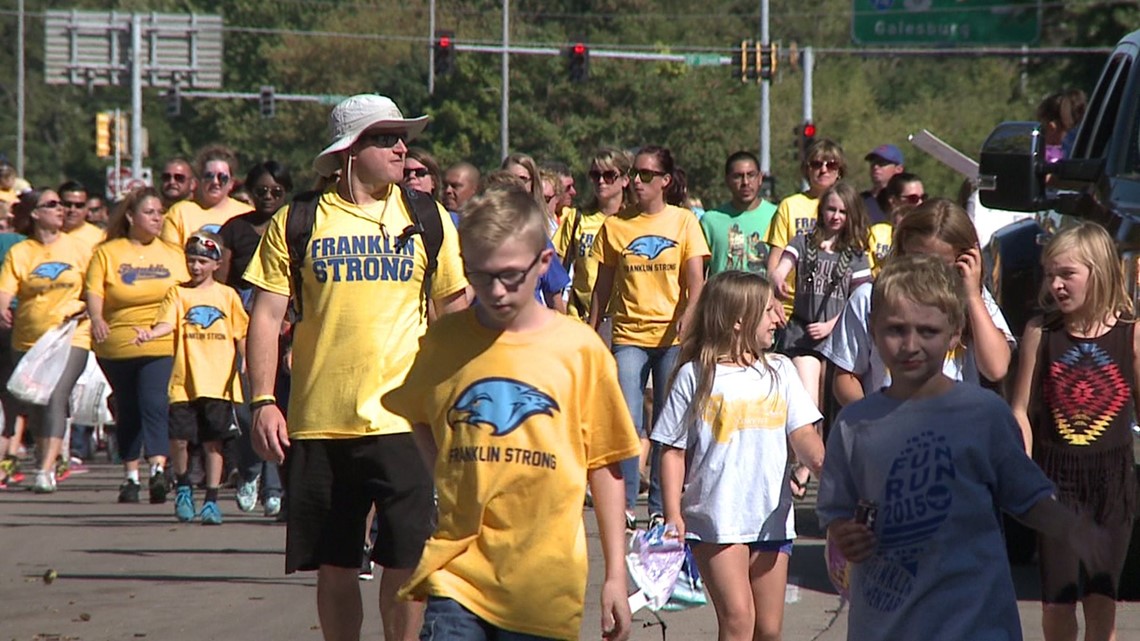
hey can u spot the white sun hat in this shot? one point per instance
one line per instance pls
(352, 117)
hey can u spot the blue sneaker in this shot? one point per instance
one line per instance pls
(184, 503)
(211, 513)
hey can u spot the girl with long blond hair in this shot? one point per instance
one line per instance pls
(1075, 399)
(725, 428)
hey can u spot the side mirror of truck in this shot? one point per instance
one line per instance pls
(1011, 174)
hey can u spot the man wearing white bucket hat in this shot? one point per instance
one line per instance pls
(361, 275)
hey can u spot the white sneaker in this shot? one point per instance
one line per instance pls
(246, 496)
(44, 483)
(273, 506)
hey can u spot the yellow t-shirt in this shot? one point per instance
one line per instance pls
(795, 215)
(89, 235)
(519, 419)
(186, 217)
(132, 279)
(364, 311)
(47, 281)
(648, 253)
(879, 245)
(583, 263)
(207, 321)
(13, 194)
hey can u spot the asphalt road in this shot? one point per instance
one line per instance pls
(132, 572)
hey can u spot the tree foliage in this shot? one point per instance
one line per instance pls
(340, 47)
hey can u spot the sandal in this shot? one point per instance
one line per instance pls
(799, 487)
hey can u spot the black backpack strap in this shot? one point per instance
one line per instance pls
(426, 222)
(572, 248)
(299, 222)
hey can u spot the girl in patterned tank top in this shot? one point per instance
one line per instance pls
(1075, 400)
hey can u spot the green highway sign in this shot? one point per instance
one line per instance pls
(702, 59)
(946, 22)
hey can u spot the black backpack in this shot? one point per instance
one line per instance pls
(302, 215)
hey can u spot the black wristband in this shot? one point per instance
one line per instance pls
(261, 403)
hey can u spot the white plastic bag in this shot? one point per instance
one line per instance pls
(90, 394)
(38, 372)
(654, 560)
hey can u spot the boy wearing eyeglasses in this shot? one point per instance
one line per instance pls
(209, 324)
(211, 207)
(516, 408)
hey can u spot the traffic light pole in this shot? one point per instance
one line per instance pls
(807, 62)
(765, 101)
(505, 108)
(136, 99)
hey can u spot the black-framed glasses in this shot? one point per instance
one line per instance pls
(829, 165)
(383, 140)
(510, 278)
(264, 191)
(416, 173)
(178, 178)
(608, 176)
(646, 175)
(72, 204)
(223, 178)
(49, 204)
(914, 199)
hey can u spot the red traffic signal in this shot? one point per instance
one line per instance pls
(809, 130)
(579, 62)
(579, 49)
(445, 42)
(444, 49)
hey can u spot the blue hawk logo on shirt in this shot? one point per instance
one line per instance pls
(501, 403)
(50, 271)
(649, 246)
(212, 228)
(203, 315)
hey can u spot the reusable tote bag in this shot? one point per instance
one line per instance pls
(38, 372)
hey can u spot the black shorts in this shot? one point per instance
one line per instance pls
(332, 483)
(203, 420)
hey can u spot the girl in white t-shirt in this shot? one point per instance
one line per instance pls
(725, 427)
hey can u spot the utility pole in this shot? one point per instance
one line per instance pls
(807, 60)
(765, 100)
(505, 112)
(21, 81)
(431, 48)
(136, 96)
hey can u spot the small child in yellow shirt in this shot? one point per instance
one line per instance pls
(209, 324)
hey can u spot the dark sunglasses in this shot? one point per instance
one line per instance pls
(384, 140)
(829, 165)
(646, 175)
(609, 176)
(511, 278)
(264, 191)
(914, 199)
(415, 173)
(69, 204)
(209, 176)
(50, 204)
(178, 178)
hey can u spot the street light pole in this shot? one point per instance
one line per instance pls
(504, 114)
(765, 99)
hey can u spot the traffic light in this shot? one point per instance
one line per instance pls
(103, 134)
(123, 133)
(268, 102)
(766, 60)
(579, 62)
(805, 136)
(173, 102)
(444, 52)
(744, 61)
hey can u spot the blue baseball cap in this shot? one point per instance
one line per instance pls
(889, 153)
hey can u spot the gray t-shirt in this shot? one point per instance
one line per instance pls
(939, 470)
(812, 285)
(850, 347)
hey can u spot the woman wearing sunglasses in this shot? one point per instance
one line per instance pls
(44, 274)
(271, 186)
(651, 270)
(127, 279)
(902, 194)
(421, 172)
(211, 205)
(609, 176)
(824, 165)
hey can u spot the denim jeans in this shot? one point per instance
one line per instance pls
(142, 421)
(635, 364)
(249, 464)
(448, 620)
